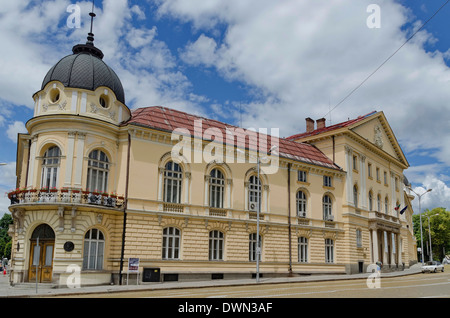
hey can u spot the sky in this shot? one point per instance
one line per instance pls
(253, 63)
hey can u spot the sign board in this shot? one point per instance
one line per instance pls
(133, 265)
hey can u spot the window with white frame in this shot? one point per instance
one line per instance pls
(216, 245)
(254, 193)
(252, 248)
(216, 189)
(98, 170)
(171, 243)
(358, 238)
(173, 177)
(301, 204)
(94, 245)
(327, 181)
(327, 207)
(301, 175)
(50, 167)
(329, 251)
(303, 249)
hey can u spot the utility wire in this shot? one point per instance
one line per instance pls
(382, 64)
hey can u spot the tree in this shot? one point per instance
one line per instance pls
(5, 239)
(438, 220)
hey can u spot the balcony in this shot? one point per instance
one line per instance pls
(65, 196)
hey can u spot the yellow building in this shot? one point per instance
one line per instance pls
(99, 185)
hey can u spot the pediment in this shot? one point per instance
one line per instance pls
(377, 131)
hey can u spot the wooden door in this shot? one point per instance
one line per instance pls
(41, 261)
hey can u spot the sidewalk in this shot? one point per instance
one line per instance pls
(43, 290)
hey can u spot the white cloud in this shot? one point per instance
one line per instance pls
(438, 197)
(14, 129)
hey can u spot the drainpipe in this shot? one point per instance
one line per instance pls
(125, 210)
(289, 218)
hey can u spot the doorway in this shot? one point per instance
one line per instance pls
(41, 254)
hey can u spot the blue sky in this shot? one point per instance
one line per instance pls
(254, 63)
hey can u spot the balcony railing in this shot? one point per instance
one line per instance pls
(65, 196)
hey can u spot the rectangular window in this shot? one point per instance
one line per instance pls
(327, 181)
(329, 251)
(301, 176)
(358, 238)
(378, 174)
(302, 249)
(355, 162)
(369, 170)
(385, 178)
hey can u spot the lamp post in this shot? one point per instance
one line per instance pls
(420, 217)
(258, 210)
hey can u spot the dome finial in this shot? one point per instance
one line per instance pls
(90, 38)
(89, 47)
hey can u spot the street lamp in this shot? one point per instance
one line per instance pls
(258, 247)
(258, 210)
(420, 217)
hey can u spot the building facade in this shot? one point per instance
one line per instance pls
(99, 185)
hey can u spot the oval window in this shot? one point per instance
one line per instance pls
(54, 95)
(103, 100)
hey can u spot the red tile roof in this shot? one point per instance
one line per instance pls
(330, 128)
(166, 119)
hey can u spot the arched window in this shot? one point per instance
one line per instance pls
(98, 169)
(254, 193)
(94, 245)
(379, 203)
(303, 249)
(370, 201)
(355, 196)
(327, 205)
(50, 166)
(216, 189)
(171, 243)
(173, 176)
(216, 245)
(386, 205)
(301, 204)
(252, 248)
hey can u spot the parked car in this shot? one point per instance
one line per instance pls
(432, 266)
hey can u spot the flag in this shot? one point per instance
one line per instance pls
(397, 207)
(403, 210)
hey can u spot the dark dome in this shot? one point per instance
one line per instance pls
(85, 69)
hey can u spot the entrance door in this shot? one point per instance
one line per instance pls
(41, 262)
(41, 256)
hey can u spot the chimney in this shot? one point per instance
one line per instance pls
(320, 123)
(309, 124)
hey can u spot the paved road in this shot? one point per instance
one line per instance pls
(432, 285)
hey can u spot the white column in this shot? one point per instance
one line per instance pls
(187, 177)
(160, 183)
(393, 248)
(362, 173)
(375, 256)
(31, 173)
(205, 193)
(393, 200)
(69, 159)
(229, 181)
(79, 159)
(349, 178)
